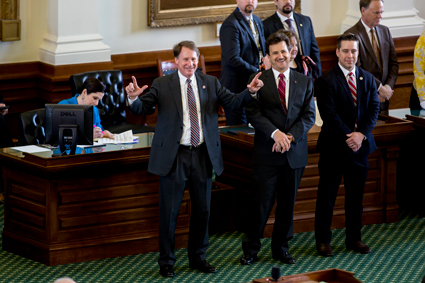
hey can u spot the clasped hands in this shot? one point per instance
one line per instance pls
(282, 142)
(385, 93)
(354, 141)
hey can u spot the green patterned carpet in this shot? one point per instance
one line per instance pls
(398, 255)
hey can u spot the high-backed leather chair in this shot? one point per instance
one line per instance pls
(112, 106)
(31, 127)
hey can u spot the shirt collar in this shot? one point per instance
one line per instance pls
(366, 27)
(276, 73)
(346, 72)
(183, 79)
(283, 18)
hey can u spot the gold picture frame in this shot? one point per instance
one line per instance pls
(171, 13)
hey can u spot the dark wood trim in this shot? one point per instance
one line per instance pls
(26, 86)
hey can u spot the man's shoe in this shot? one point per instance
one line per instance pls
(324, 249)
(203, 266)
(357, 246)
(247, 259)
(166, 270)
(285, 258)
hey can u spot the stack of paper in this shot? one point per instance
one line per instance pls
(125, 137)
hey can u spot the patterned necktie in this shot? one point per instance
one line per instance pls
(289, 23)
(282, 89)
(353, 91)
(193, 115)
(376, 49)
(256, 37)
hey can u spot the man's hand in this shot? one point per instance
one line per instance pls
(108, 134)
(354, 140)
(282, 142)
(385, 92)
(256, 84)
(266, 62)
(4, 112)
(133, 90)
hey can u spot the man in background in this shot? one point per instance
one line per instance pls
(377, 53)
(286, 18)
(242, 49)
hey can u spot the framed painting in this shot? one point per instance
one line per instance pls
(171, 13)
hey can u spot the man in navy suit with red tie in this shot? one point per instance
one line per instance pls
(348, 103)
(282, 116)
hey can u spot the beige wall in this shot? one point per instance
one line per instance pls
(123, 25)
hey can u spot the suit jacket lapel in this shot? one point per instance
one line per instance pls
(175, 90)
(260, 31)
(277, 22)
(292, 90)
(359, 86)
(364, 37)
(244, 23)
(343, 81)
(299, 26)
(382, 45)
(270, 82)
(203, 94)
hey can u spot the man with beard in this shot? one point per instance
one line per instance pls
(282, 116)
(376, 50)
(242, 48)
(285, 18)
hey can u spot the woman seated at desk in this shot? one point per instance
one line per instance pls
(93, 91)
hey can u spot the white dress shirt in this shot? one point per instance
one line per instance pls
(286, 79)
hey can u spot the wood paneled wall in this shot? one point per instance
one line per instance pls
(29, 85)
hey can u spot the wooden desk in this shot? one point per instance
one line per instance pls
(83, 207)
(379, 202)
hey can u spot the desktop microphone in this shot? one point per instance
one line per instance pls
(275, 273)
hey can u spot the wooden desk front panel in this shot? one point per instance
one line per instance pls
(379, 200)
(84, 213)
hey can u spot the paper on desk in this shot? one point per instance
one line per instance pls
(30, 148)
(125, 137)
(95, 144)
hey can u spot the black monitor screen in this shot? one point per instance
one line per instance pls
(68, 117)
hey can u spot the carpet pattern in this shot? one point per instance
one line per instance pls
(398, 255)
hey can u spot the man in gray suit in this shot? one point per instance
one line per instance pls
(376, 50)
(282, 116)
(186, 147)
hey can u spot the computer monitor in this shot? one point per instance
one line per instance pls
(68, 125)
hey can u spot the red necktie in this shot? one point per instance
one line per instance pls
(353, 91)
(282, 88)
(193, 115)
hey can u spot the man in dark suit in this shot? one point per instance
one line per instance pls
(242, 48)
(282, 116)
(349, 107)
(185, 148)
(285, 18)
(377, 51)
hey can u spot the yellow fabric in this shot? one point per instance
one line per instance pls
(419, 67)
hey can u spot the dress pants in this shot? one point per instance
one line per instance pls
(191, 168)
(270, 183)
(332, 167)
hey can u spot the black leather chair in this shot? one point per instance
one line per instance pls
(112, 107)
(31, 127)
